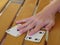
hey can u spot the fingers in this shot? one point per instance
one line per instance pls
(39, 26)
(20, 21)
(24, 25)
(36, 29)
(30, 26)
(49, 26)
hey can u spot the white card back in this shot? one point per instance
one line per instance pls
(13, 31)
(36, 37)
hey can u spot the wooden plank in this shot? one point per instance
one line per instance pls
(7, 18)
(54, 36)
(26, 11)
(3, 4)
(42, 4)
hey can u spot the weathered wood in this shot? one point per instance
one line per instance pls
(42, 4)
(3, 4)
(25, 12)
(54, 36)
(7, 17)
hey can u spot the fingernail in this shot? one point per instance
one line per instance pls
(30, 34)
(21, 31)
(47, 29)
(16, 22)
(18, 28)
(19, 25)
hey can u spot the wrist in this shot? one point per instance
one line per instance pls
(53, 7)
(58, 4)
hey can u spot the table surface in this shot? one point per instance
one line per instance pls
(16, 11)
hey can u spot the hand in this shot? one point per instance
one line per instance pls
(35, 23)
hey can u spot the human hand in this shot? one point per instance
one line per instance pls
(36, 22)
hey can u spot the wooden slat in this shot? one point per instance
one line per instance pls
(54, 37)
(7, 17)
(42, 4)
(25, 12)
(3, 4)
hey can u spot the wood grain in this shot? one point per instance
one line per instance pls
(54, 36)
(3, 4)
(25, 12)
(7, 17)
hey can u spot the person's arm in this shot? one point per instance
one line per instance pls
(45, 18)
(53, 7)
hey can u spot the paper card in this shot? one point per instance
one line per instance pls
(36, 37)
(14, 31)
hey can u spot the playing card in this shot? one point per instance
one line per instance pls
(36, 37)
(14, 31)
(47, 35)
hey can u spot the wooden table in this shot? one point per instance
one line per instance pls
(3, 4)
(16, 12)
